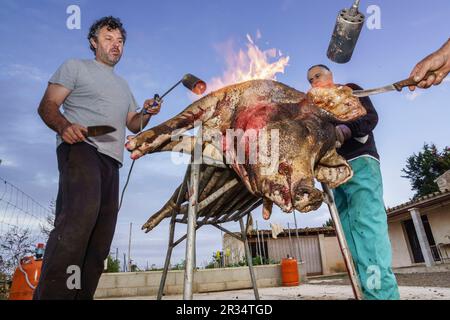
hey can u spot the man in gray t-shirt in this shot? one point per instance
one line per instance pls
(90, 93)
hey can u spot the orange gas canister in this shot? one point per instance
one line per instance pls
(25, 279)
(289, 272)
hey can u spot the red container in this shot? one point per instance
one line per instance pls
(25, 279)
(289, 272)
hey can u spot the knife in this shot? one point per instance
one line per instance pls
(396, 86)
(95, 131)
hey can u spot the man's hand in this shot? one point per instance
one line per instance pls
(152, 106)
(73, 133)
(343, 133)
(134, 118)
(439, 62)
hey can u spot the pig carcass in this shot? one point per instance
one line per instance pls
(304, 127)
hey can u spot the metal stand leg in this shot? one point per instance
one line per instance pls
(191, 226)
(343, 243)
(172, 245)
(249, 259)
(168, 255)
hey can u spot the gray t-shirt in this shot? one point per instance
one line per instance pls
(98, 97)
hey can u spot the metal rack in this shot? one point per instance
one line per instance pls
(211, 210)
(212, 195)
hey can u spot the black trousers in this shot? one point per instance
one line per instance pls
(86, 215)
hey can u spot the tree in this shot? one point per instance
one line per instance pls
(14, 245)
(423, 168)
(113, 265)
(328, 223)
(49, 223)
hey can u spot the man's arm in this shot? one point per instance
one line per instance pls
(49, 112)
(134, 118)
(439, 62)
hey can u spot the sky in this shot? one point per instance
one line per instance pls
(167, 39)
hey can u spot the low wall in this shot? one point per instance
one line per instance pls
(130, 284)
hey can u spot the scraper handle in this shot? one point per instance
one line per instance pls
(410, 81)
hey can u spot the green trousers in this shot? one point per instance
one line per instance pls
(363, 217)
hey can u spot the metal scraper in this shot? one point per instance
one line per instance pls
(95, 131)
(396, 86)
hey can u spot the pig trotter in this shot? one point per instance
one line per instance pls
(307, 198)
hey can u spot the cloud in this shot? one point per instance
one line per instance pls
(22, 71)
(411, 96)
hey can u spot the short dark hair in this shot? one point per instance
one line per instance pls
(111, 22)
(319, 65)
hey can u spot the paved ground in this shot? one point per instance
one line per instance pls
(435, 279)
(413, 286)
(309, 292)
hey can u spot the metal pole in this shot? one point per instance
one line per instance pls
(268, 239)
(343, 243)
(129, 248)
(180, 199)
(263, 247)
(168, 255)
(299, 258)
(117, 254)
(249, 258)
(192, 219)
(124, 262)
(290, 241)
(258, 246)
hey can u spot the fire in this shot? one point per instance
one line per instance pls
(253, 63)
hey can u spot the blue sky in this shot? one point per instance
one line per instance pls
(168, 39)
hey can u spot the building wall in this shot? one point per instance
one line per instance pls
(307, 247)
(319, 254)
(439, 219)
(400, 253)
(334, 262)
(236, 248)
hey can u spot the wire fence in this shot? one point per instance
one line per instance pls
(19, 211)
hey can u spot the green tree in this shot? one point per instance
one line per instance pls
(423, 168)
(113, 265)
(328, 223)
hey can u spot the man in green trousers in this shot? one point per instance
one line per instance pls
(360, 200)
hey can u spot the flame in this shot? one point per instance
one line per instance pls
(253, 63)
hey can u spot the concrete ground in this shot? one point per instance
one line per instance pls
(417, 286)
(415, 283)
(422, 279)
(307, 292)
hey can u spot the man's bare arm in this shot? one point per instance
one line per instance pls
(49, 112)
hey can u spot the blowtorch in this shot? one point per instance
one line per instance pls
(190, 81)
(346, 32)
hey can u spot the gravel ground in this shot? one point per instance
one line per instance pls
(435, 279)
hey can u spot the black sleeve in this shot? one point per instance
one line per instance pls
(364, 125)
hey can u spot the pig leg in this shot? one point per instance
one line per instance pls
(154, 139)
(333, 169)
(166, 211)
